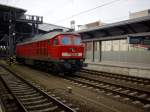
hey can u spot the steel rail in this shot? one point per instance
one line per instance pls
(118, 76)
(42, 92)
(135, 98)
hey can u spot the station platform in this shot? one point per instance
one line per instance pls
(123, 68)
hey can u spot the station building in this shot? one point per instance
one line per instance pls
(122, 47)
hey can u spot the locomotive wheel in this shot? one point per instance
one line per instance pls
(55, 70)
(70, 73)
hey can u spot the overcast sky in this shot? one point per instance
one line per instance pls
(60, 11)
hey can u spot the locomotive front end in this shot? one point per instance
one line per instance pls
(71, 54)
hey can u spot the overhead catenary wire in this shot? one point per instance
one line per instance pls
(80, 13)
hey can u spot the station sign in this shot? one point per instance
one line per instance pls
(142, 40)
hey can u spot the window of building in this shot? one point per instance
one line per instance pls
(108, 46)
(89, 46)
(123, 45)
(96, 46)
(103, 45)
(115, 45)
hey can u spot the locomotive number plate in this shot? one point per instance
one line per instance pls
(71, 54)
(76, 54)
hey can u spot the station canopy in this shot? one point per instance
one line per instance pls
(137, 26)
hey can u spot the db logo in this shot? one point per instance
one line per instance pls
(72, 49)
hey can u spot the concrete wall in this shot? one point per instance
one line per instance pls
(139, 14)
(116, 51)
(127, 56)
(126, 70)
(89, 56)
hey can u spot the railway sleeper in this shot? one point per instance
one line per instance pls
(35, 102)
(49, 109)
(32, 98)
(39, 106)
(27, 93)
(28, 96)
(21, 89)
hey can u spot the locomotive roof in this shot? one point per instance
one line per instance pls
(49, 27)
(45, 37)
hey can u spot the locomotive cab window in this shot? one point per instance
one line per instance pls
(48, 42)
(55, 41)
(66, 40)
(70, 40)
(77, 41)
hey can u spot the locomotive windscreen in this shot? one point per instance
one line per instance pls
(70, 40)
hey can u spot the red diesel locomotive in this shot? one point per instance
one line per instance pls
(56, 51)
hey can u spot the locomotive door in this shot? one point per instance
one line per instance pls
(49, 47)
(54, 49)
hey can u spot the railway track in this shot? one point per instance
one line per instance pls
(129, 81)
(7, 102)
(119, 77)
(133, 94)
(30, 98)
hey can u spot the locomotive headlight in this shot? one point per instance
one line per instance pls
(79, 54)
